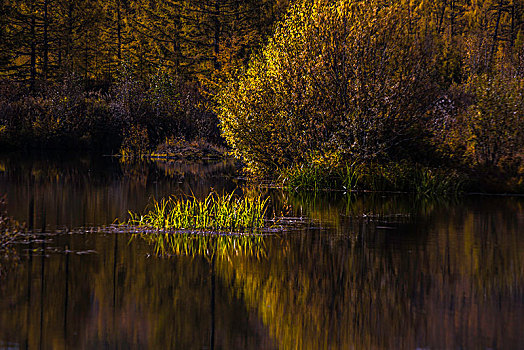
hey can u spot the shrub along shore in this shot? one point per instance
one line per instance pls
(377, 95)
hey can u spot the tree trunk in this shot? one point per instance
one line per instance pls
(119, 30)
(440, 24)
(69, 46)
(46, 41)
(495, 34)
(216, 41)
(33, 49)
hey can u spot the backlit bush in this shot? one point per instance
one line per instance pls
(338, 76)
(495, 120)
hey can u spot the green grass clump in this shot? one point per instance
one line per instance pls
(309, 177)
(376, 177)
(227, 212)
(322, 176)
(432, 183)
(411, 178)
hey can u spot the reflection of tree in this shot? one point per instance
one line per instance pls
(86, 191)
(38, 289)
(459, 284)
(121, 297)
(438, 277)
(173, 302)
(337, 209)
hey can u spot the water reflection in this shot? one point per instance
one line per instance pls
(453, 278)
(72, 190)
(365, 272)
(120, 298)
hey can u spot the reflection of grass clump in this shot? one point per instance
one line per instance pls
(216, 212)
(205, 244)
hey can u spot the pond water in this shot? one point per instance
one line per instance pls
(361, 272)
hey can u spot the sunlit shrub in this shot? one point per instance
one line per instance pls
(495, 120)
(342, 76)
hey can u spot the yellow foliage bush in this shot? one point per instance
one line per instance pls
(337, 76)
(495, 121)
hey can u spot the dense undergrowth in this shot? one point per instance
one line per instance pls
(130, 116)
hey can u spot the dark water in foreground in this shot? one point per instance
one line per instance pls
(391, 272)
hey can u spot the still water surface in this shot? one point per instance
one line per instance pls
(366, 272)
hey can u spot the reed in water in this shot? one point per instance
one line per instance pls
(226, 212)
